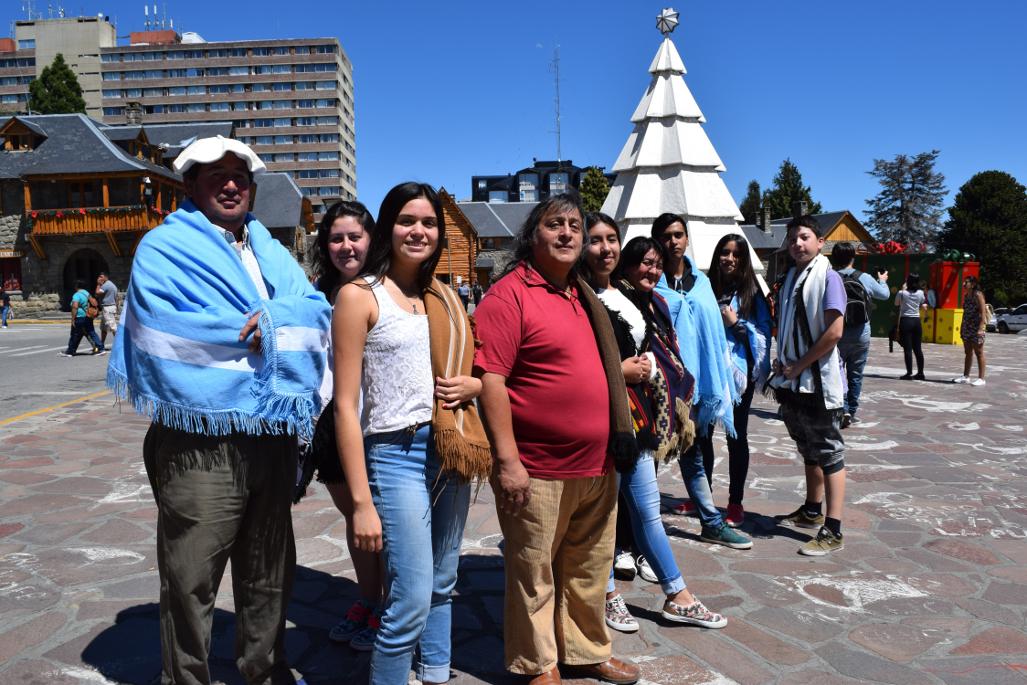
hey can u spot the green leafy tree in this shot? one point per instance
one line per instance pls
(787, 189)
(57, 90)
(989, 219)
(908, 207)
(594, 189)
(750, 207)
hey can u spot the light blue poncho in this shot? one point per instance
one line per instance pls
(704, 350)
(177, 355)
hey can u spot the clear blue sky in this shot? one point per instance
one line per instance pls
(449, 89)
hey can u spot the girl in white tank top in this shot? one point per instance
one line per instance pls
(402, 504)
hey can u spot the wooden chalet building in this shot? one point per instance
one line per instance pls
(768, 237)
(74, 202)
(76, 196)
(461, 249)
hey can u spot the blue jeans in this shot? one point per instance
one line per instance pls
(423, 514)
(643, 497)
(698, 487)
(83, 326)
(854, 356)
(4, 313)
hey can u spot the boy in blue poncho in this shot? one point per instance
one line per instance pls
(705, 352)
(222, 345)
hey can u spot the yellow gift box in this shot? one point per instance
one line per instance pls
(942, 326)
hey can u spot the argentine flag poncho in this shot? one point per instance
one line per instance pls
(177, 355)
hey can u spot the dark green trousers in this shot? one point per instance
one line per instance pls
(221, 498)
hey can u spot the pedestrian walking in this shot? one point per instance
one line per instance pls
(84, 308)
(5, 305)
(972, 330)
(747, 325)
(854, 347)
(107, 295)
(403, 350)
(659, 393)
(911, 300)
(807, 382)
(556, 406)
(223, 348)
(464, 291)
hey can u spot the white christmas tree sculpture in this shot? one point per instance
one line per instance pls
(669, 164)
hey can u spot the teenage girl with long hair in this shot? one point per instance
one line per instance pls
(747, 323)
(659, 388)
(403, 352)
(972, 330)
(340, 250)
(911, 300)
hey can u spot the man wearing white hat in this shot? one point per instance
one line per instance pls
(222, 346)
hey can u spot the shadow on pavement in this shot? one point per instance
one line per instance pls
(129, 650)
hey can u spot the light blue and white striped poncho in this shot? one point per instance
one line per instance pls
(177, 355)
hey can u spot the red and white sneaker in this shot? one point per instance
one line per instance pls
(686, 508)
(735, 515)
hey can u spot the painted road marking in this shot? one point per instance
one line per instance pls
(28, 352)
(37, 412)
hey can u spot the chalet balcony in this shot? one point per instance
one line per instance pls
(84, 220)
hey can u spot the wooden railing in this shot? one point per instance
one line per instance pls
(78, 221)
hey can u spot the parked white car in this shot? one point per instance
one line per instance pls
(1013, 321)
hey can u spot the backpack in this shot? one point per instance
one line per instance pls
(857, 306)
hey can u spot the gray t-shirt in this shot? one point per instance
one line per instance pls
(110, 294)
(909, 303)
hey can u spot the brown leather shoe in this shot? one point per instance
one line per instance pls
(550, 677)
(611, 671)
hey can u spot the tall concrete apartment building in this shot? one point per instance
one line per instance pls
(290, 99)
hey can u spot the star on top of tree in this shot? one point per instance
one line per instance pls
(666, 20)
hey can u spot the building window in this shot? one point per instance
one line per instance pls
(113, 111)
(279, 123)
(327, 85)
(112, 93)
(303, 85)
(261, 52)
(27, 44)
(264, 140)
(283, 140)
(238, 71)
(559, 182)
(238, 52)
(279, 87)
(219, 107)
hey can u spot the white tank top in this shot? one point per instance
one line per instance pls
(398, 389)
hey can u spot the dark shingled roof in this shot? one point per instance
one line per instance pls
(279, 202)
(496, 219)
(75, 144)
(117, 133)
(174, 136)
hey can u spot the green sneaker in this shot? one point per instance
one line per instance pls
(725, 536)
(800, 519)
(824, 543)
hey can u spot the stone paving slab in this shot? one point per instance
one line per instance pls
(931, 586)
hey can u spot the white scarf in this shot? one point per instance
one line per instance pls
(791, 343)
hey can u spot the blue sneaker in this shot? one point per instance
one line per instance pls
(363, 641)
(355, 620)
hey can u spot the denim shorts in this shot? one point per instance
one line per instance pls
(817, 433)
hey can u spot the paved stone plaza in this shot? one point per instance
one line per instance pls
(931, 586)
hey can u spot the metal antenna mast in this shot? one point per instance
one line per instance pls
(556, 78)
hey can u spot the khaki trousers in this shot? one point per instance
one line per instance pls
(221, 498)
(558, 555)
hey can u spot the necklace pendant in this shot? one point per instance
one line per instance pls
(414, 305)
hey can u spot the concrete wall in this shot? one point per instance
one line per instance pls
(79, 39)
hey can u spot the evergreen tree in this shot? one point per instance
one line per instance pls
(594, 189)
(908, 207)
(57, 90)
(989, 220)
(750, 207)
(787, 189)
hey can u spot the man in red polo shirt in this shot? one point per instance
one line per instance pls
(547, 406)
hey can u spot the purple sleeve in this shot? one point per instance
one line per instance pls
(834, 293)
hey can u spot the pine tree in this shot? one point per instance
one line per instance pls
(57, 90)
(908, 207)
(750, 206)
(989, 220)
(594, 189)
(786, 190)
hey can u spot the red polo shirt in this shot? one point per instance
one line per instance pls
(541, 340)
